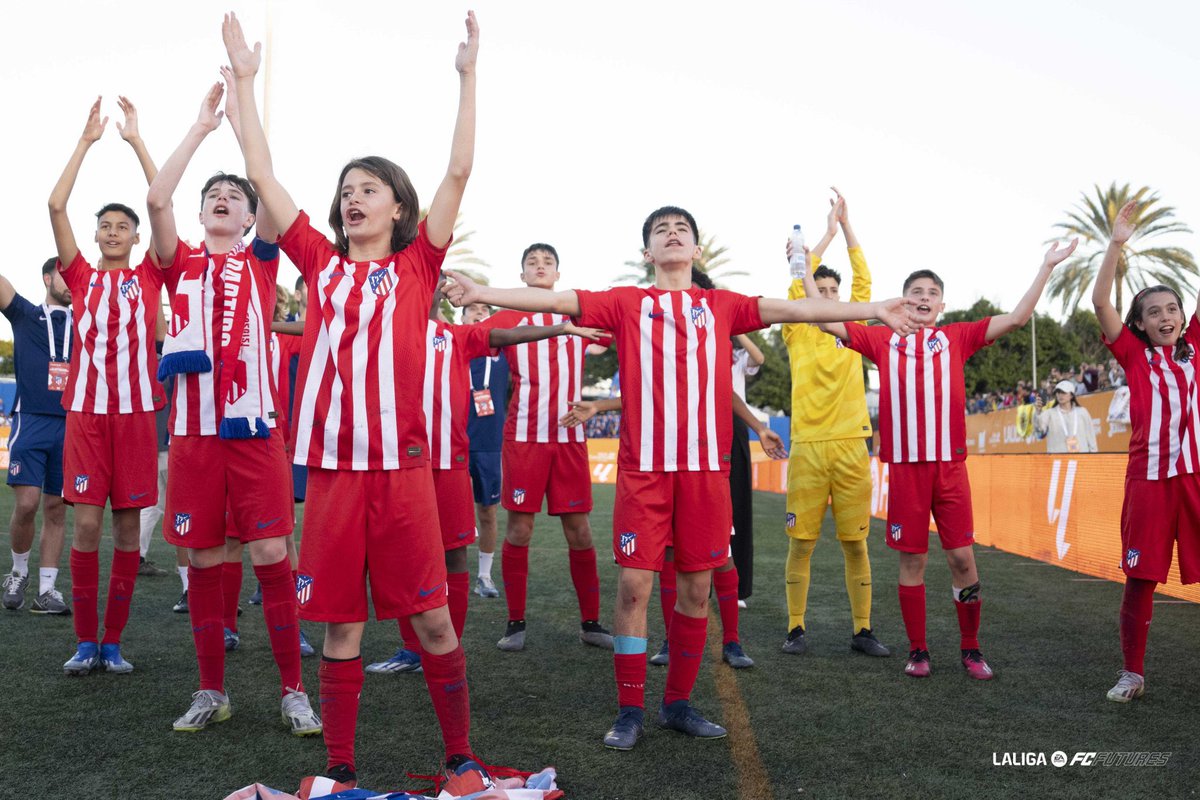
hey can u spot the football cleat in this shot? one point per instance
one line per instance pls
(663, 657)
(111, 660)
(181, 605)
(256, 598)
(593, 633)
(298, 713)
(50, 602)
(233, 640)
(14, 591)
(734, 656)
(1130, 686)
(976, 667)
(626, 730)
(306, 648)
(865, 642)
(148, 569)
(680, 716)
(486, 587)
(917, 665)
(403, 661)
(795, 644)
(340, 778)
(514, 636)
(86, 659)
(208, 705)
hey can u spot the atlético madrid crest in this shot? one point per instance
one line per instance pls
(130, 289)
(518, 496)
(81, 482)
(380, 282)
(183, 524)
(628, 543)
(699, 316)
(1131, 557)
(304, 584)
(439, 343)
(790, 520)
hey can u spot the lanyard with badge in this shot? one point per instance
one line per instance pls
(1071, 437)
(483, 397)
(56, 377)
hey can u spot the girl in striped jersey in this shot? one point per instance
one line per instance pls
(359, 422)
(1157, 347)
(922, 436)
(110, 450)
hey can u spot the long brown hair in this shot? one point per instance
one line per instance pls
(1137, 307)
(404, 230)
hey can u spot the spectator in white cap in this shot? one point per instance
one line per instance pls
(1066, 425)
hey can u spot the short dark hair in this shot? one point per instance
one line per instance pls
(662, 213)
(701, 278)
(299, 283)
(923, 273)
(50, 265)
(825, 272)
(545, 248)
(404, 230)
(243, 186)
(124, 209)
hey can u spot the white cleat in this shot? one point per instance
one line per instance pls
(208, 705)
(1130, 686)
(298, 713)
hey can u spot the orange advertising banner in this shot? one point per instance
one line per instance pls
(1011, 430)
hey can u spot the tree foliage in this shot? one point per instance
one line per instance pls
(772, 388)
(713, 260)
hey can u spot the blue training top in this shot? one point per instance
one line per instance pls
(486, 434)
(31, 354)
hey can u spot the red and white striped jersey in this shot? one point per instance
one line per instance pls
(546, 376)
(197, 410)
(1163, 405)
(362, 362)
(447, 389)
(674, 354)
(113, 364)
(922, 394)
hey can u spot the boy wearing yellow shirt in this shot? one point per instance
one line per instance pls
(829, 456)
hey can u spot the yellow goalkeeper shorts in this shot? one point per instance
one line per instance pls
(818, 471)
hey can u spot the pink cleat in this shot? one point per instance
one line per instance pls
(918, 664)
(976, 667)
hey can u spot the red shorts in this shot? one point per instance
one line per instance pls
(380, 525)
(558, 471)
(916, 490)
(111, 456)
(456, 507)
(208, 476)
(689, 511)
(1154, 516)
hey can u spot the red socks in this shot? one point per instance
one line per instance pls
(409, 635)
(205, 609)
(686, 642)
(968, 622)
(630, 670)
(726, 584)
(85, 586)
(514, 568)
(912, 609)
(666, 594)
(280, 612)
(231, 587)
(120, 592)
(587, 582)
(1137, 608)
(341, 685)
(459, 584)
(446, 679)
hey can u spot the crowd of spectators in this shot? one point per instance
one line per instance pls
(605, 425)
(1088, 379)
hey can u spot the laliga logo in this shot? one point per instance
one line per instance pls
(1061, 513)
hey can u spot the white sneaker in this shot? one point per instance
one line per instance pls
(298, 713)
(1130, 686)
(741, 603)
(485, 587)
(208, 705)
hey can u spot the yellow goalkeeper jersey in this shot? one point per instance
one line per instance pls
(828, 396)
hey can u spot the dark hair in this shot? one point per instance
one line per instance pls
(923, 273)
(124, 209)
(825, 272)
(299, 283)
(701, 278)
(404, 230)
(243, 186)
(1138, 306)
(546, 248)
(662, 213)
(50, 265)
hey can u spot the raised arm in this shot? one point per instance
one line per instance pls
(260, 171)
(461, 291)
(756, 356)
(264, 224)
(443, 210)
(831, 229)
(7, 293)
(64, 237)
(163, 234)
(1004, 323)
(507, 337)
(894, 313)
(129, 132)
(1110, 320)
(843, 215)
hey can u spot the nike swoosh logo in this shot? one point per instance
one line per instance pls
(427, 592)
(268, 523)
(284, 627)
(653, 315)
(464, 535)
(714, 553)
(862, 527)
(686, 654)
(138, 496)
(574, 503)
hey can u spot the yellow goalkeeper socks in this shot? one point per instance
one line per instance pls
(799, 560)
(858, 582)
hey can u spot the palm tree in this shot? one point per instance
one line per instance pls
(1140, 265)
(461, 258)
(713, 260)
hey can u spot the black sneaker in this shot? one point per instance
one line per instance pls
(865, 642)
(627, 729)
(795, 644)
(680, 716)
(514, 636)
(181, 605)
(342, 773)
(593, 633)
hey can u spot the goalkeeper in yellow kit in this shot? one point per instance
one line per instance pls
(829, 452)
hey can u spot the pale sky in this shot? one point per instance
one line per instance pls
(959, 132)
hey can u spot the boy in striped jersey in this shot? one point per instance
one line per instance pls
(224, 420)
(110, 452)
(922, 436)
(674, 345)
(540, 458)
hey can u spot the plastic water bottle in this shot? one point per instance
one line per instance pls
(798, 262)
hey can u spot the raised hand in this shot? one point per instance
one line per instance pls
(468, 51)
(460, 290)
(242, 59)
(839, 205)
(1123, 225)
(128, 131)
(210, 115)
(592, 334)
(94, 129)
(580, 413)
(897, 315)
(1055, 256)
(231, 101)
(831, 220)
